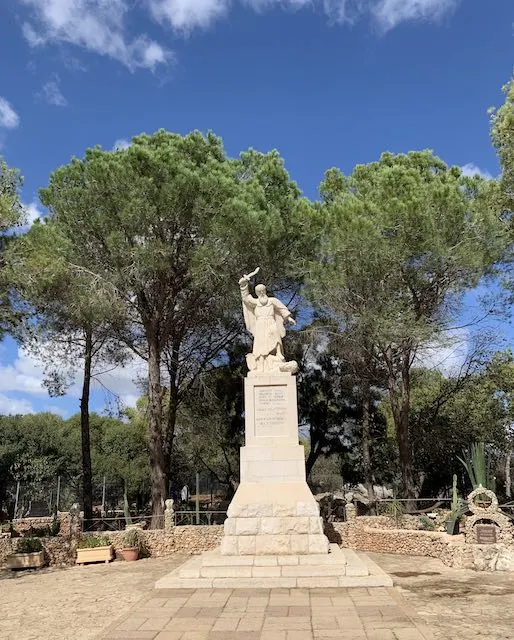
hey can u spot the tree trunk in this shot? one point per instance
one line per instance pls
(366, 457)
(400, 405)
(155, 436)
(87, 475)
(508, 488)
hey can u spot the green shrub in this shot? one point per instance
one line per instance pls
(427, 524)
(135, 538)
(29, 545)
(55, 527)
(91, 542)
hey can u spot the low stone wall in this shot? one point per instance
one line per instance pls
(363, 537)
(59, 551)
(190, 539)
(23, 525)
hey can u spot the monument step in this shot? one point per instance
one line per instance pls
(340, 568)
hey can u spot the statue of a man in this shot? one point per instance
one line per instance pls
(264, 318)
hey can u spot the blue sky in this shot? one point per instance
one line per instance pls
(327, 83)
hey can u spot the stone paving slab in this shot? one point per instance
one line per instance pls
(270, 614)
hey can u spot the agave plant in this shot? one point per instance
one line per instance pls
(478, 464)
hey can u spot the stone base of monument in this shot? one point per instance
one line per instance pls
(339, 568)
(273, 518)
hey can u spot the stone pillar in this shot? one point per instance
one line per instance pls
(169, 521)
(350, 512)
(273, 511)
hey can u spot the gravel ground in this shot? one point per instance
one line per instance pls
(74, 603)
(456, 604)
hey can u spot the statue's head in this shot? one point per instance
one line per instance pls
(260, 291)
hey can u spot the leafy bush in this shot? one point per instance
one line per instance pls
(55, 527)
(426, 523)
(91, 542)
(135, 538)
(29, 545)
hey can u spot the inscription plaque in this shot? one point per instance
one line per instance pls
(486, 533)
(270, 411)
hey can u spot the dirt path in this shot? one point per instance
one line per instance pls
(74, 603)
(456, 604)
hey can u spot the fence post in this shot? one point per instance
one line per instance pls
(16, 500)
(197, 498)
(58, 494)
(103, 499)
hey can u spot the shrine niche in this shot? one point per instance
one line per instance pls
(487, 525)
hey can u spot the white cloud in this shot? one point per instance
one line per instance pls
(184, 15)
(471, 170)
(96, 25)
(390, 13)
(14, 406)
(32, 213)
(100, 25)
(51, 93)
(120, 144)
(9, 119)
(448, 354)
(26, 374)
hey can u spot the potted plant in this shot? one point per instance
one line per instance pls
(456, 512)
(94, 549)
(29, 554)
(133, 544)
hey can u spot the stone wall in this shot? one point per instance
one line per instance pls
(59, 551)
(358, 534)
(190, 539)
(23, 525)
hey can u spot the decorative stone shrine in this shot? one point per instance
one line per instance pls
(273, 536)
(487, 525)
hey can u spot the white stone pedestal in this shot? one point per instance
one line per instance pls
(274, 534)
(273, 511)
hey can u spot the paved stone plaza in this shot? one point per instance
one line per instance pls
(98, 601)
(271, 614)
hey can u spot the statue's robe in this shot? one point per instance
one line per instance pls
(265, 322)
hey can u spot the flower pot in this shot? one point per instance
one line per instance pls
(452, 527)
(130, 554)
(94, 554)
(26, 560)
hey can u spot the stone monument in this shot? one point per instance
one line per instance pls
(273, 535)
(273, 510)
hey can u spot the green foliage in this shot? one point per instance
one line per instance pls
(91, 542)
(165, 228)
(11, 211)
(502, 133)
(134, 538)
(427, 524)
(393, 508)
(478, 463)
(403, 239)
(29, 545)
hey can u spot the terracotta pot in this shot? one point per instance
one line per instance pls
(130, 554)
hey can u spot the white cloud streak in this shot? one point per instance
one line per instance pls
(9, 119)
(96, 25)
(26, 373)
(100, 26)
(120, 144)
(51, 93)
(471, 169)
(33, 212)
